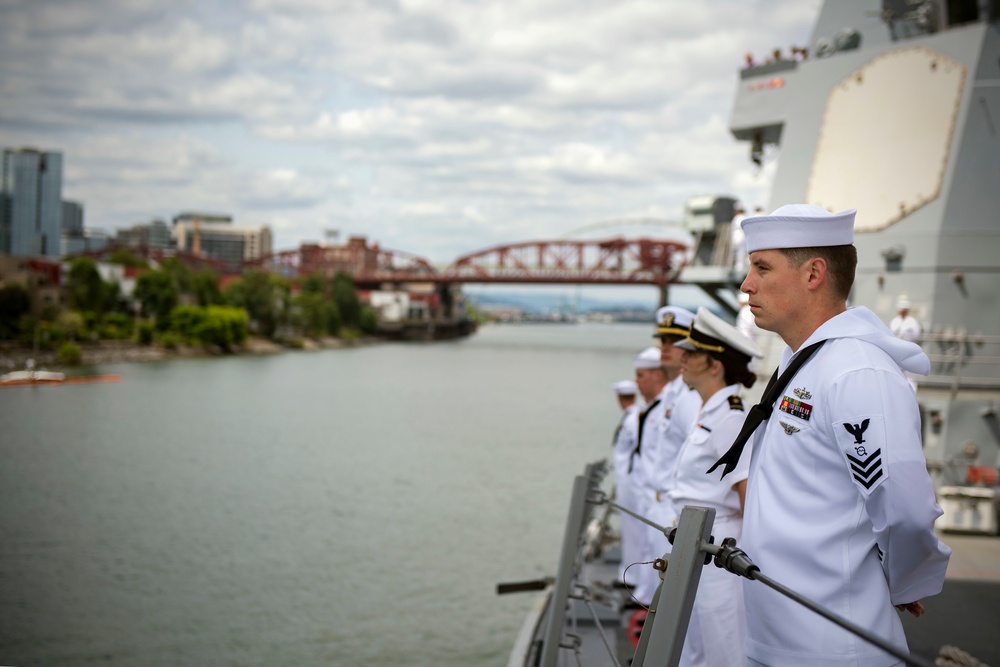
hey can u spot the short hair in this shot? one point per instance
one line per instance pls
(841, 263)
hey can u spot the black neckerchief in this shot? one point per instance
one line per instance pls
(642, 423)
(760, 412)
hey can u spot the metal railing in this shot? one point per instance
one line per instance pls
(961, 361)
(662, 636)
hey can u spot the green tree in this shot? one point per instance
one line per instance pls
(311, 311)
(346, 298)
(368, 320)
(112, 299)
(84, 285)
(126, 257)
(333, 322)
(180, 273)
(314, 283)
(157, 293)
(15, 301)
(266, 298)
(205, 288)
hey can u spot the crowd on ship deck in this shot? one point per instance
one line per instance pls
(825, 487)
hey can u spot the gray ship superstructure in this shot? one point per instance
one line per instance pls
(894, 109)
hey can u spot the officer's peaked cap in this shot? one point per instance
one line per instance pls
(673, 321)
(711, 333)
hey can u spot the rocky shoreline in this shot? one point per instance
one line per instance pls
(13, 357)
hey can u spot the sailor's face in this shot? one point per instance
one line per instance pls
(646, 381)
(694, 366)
(773, 285)
(670, 356)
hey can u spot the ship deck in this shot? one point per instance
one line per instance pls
(965, 615)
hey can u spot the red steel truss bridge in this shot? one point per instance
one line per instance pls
(614, 261)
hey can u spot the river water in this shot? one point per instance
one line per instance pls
(338, 507)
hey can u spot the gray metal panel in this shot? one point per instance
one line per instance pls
(949, 247)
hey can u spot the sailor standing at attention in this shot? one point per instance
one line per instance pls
(650, 380)
(905, 326)
(839, 505)
(670, 416)
(715, 362)
(626, 436)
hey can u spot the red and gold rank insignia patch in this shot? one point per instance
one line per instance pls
(796, 408)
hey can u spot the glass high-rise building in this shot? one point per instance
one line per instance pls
(31, 202)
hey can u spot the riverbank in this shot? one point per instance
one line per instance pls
(13, 357)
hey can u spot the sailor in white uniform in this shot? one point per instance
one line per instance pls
(905, 326)
(839, 504)
(626, 435)
(670, 417)
(716, 364)
(651, 381)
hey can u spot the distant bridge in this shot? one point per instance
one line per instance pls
(610, 261)
(615, 261)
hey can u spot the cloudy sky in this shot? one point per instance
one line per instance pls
(435, 127)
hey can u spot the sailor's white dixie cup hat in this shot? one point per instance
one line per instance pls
(799, 226)
(673, 321)
(711, 333)
(626, 388)
(648, 358)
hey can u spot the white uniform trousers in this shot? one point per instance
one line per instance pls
(654, 543)
(632, 533)
(716, 636)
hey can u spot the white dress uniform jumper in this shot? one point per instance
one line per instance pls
(839, 504)
(625, 492)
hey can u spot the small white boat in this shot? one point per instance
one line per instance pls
(31, 375)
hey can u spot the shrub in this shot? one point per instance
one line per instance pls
(69, 354)
(145, 332)
(169, 340)
(214, 325)
(115, 326)
(70, 325)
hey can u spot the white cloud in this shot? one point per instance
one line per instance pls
(432, 126)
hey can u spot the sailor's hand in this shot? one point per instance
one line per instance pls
(915, 608)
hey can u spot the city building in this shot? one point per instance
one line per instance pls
(154, 234)
(31, 203)
(216, 236)
(91, 240)
(72, 218)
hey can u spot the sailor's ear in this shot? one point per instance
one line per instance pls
(815, 270)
